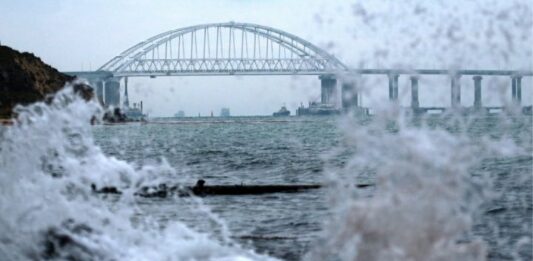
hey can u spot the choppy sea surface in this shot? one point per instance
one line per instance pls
(442, 187)
(304, 150)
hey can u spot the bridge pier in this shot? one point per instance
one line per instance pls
(112, 92)
(126, 102)
(516, 89)
(415, 104)
(328, 87)
(477, 92)
(98, 87)
(349, 95)
(393, 87)
(456, 90)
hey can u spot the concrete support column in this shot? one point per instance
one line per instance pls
(112, 92)
(126, 102)
(415, 104)
(98, 87)
(456, 90)
(516, 89)
(100, 91)
(328, 87)
(519, 89)
(349, 95)
(104, 83)
(477, 92)
(393, 87)
(513, 88)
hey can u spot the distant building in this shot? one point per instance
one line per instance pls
(224, 112)
(180, 114)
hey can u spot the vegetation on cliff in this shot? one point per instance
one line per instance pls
(25, 79)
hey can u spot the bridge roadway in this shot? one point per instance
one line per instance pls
(107, 83)
(251, 49)
(105, 75)
(444, 72)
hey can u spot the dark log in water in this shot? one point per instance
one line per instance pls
(200, 189)
(105, 190)
(249, 190)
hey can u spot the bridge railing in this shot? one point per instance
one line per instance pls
(228, 66)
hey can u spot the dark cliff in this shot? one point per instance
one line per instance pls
(25, 79)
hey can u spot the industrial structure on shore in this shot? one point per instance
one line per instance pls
(251, 49)
(134, 113)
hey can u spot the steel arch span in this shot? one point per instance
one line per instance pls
(223, 49)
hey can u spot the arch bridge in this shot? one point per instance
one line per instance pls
(251, 49)
(223, 49)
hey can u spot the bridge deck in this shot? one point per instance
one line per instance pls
(107, 74)
(444, 72)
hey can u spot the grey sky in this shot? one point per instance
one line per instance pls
(75, 35)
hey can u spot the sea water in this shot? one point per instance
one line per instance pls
(448, 187)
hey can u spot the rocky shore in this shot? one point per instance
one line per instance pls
(25, 78)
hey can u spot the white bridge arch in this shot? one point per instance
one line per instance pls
(223, 49)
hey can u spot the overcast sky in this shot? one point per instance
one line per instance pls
(83, 35)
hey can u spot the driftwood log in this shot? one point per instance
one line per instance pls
(200, 189)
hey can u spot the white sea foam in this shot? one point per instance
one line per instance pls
(48, 160)
(425, 196)
(421, 209)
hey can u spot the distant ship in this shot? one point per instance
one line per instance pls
(282, 112)
(317, 109)
(135, 113)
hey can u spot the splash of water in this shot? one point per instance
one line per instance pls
(48, 161)
(425, 196)
(421, 209)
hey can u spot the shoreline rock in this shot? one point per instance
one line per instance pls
(25, 79)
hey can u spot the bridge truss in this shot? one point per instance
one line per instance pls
(223, 49)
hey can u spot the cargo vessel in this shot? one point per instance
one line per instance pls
(316, 108)
(282, 112)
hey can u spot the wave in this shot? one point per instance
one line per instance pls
(49, 161)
